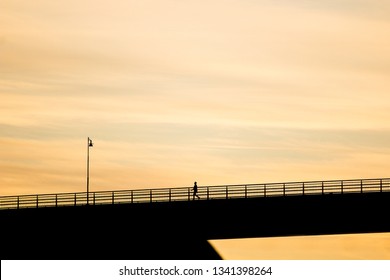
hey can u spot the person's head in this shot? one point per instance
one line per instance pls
(195, 183)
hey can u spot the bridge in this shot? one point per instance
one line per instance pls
(167, 223)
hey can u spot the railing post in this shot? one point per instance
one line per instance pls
(208, 193)
(361, 186)
(381, 184)
(132, 196)
(37, 201)
(265, 190)
(227, 193)
(189, 196)
(322, 187)
(151, 198)
(17, 206)
(94, 198)
(303, 188)
(169, 195)
(56, 200)
(112, 202)
(75, 199)
(246, 191)
(342, 187)
(284, 189)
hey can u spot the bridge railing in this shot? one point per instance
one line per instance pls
(205, 193)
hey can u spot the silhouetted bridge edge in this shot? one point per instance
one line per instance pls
(374, 185)
(165, 224)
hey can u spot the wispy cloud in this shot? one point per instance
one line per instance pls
(224, 91)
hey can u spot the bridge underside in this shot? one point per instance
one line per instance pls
(180, 230)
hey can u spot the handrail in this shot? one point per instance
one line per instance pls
(205, 193)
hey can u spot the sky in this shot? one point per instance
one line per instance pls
(172, 92)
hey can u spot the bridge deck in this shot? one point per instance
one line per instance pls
(205, 193)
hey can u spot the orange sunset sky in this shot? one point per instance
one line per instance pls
(217, 91)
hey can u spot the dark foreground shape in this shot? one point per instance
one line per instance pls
(129, 232)
(180, 230)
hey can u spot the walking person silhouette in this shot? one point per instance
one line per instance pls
(195, 193)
